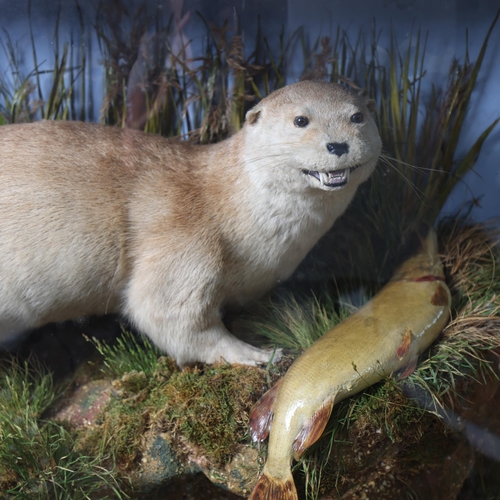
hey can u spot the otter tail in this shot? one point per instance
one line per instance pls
(271, 488)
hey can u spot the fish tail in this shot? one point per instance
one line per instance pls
(272, 488)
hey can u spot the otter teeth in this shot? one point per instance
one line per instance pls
(333, 178)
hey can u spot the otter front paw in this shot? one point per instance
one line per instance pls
(253, 356)
(217, 345)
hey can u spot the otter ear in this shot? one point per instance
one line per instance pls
(253, 115)
(371, 105)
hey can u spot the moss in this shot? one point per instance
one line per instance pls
(118, 432)
(210, 407)
(126, 417)
(207, 407)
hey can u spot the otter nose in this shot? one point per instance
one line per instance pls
(338, 148)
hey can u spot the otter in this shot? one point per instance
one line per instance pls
(97, 219)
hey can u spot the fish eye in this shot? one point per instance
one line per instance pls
(301, 121)
(357, 118)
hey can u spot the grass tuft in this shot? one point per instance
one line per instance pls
(469, 347)
(295, 323)
(38, 459)
(129, 353)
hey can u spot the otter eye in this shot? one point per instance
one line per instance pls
(301, 121)
(357, 118)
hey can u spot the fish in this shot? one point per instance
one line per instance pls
(384, 336)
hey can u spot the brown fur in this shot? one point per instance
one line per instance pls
(97, 219)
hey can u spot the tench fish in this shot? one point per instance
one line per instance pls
(387, 334)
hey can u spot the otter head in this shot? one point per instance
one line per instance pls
(313, 135)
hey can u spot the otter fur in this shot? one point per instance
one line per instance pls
(96, 219)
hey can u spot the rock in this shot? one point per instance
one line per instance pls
(83, 406)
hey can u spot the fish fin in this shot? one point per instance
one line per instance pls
(272, 488)
(409, 368)
(440, 296)
(313, 429)
(262, 413)
(404, 348)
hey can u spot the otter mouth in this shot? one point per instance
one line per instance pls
(333, 178)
